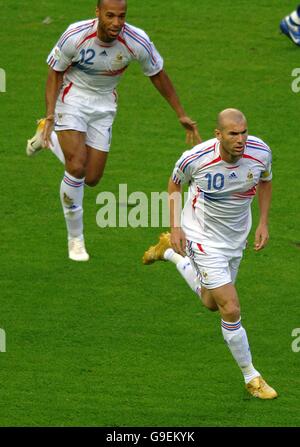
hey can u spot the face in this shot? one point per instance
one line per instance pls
(111, 15)
(233, 137)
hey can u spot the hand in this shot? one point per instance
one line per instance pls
(46, 135)
(178, 240)
(261, 237)
(192, 134)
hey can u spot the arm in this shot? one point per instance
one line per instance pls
(165, 87)
(264, 202)
(175, 200)
(53, 86)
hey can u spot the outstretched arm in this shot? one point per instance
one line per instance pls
(165, 87)
(264, 202)
(175, 205)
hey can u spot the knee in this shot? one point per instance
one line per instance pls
(209, 304)
(231, 312)
(75, 167)
(92, 180)
(207, 300)
(212, 307)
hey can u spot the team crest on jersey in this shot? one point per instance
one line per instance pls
(250, 176)
(118, 62)
(56, 54)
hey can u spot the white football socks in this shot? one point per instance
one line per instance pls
(56, 148)
(185, 268)
(71, 195)
(171, 255)
(236, 339)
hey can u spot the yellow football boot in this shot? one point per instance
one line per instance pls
(259, 388)
(156, 252)
(35, 144)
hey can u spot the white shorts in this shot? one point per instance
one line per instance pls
(214, 267)
(88, 112)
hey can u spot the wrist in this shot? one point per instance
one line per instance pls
(50, 117)
(263, 222)
(181, 114)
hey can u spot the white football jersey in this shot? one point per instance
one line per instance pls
(217, 212)
(98, 66)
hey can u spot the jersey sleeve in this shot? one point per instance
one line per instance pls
(266, 176)
(62, 54)
(183, 170)
(148, 57)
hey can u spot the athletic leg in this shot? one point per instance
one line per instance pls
(95, 165)
(72, 143)
(236, 339)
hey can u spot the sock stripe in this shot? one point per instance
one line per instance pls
(73, 183)
(231, 326)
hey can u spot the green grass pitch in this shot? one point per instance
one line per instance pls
(112, 342)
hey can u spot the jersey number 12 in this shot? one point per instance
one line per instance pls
(87, 56)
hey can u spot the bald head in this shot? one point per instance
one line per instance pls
(102, 2)
(232, 134)
(230, 116)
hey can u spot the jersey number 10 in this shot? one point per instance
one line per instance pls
(217, 181)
